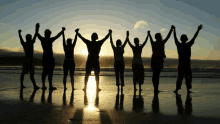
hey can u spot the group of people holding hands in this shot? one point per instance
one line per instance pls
(94, 47)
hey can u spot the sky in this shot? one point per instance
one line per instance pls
(135, 16)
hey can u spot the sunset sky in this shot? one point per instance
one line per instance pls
(137, 16)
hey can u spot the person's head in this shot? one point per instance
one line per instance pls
(69, 41)
(158, 37)
(47, 33)
(28, 37)
(183, 38)
(136, 41)
(118, 43)
(94, 36)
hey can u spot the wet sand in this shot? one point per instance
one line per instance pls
(108, 106)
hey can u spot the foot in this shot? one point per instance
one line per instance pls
(36, 87)
(65, 88)
(98, 89)
(44, 88)
(73, 88)
(188, 91)
(175, 91)
(140, 89)
(84, 89)
(23, 86)
(52, 88)
(135, 89)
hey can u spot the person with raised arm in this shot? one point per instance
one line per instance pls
(137, 64)
(119, 64)
(158, 56)
(94, 48)
(184, 52)
(28, 62)
(48, 59)
(69, 63)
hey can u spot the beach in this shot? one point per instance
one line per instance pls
(108, 105)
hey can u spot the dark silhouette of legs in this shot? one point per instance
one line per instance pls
(97, 81)
(22, 80)
(64, 81)
(72, 80)
(181, 73)
(32, 95)
(155, 103)
(43, 77)
(43, 96)
(122, 74)
(134, 82)
(50, 76)
(155, 78)
(179, 104)
(117, 74)
(188, 105)
(188, 78)
(33, 81)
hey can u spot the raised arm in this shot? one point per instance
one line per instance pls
(130, 44)
(21, 39)
(106, 37)
(145, 41)
(36, 32)
(151, 39)
(80, 36)
(168, 35)
(112, 44)
(174, 35)
(64, 43)
(58, 35)
(75, 39)
(126, 40)
(196, 34)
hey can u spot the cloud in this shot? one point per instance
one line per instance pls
(140, 24)
(163, 29)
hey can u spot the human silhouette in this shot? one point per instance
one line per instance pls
(43, 96)
(138, 102)
(94, 48)
(155, 103)
(48, 59)
(69, 63)
(119, 64)
(121, 105)
(137, 64)
(184, 52)
(28, 61)
(158, 56)
(188, 104)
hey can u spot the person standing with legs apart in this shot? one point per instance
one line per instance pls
(28, 64)
(48, 59)
(137, 64)
(184, 52)
(69, 63)
(119, 64)
(94, 48)
(158, 56)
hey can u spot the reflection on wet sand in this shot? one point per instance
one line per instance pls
(121, 105)
(138, 102)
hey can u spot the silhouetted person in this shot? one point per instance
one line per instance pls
(184, 52)
(158, 56)
(188, 104)
(137, 64)
(121, 105)
(155, 103)
(119, 64)
(138, 102)
(94, 48)
(48, 59)
(28, 62)
(69, 63)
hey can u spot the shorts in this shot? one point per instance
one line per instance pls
(92, 64)
(48, 65)
(69, 65)
(28, 66)
(157, 62)
(138, 72)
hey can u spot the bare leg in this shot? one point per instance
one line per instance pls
(33, 81)
(86, 81)
(22, 80)
(43, 77)
(72, 81)
(64, 81)
(50, 76)
(97, 82)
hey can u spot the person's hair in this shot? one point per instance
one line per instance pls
(136, 41)
(183, 38)
(28, 37)
(118, 43)
(69, 40)
(158, 37)
(94, 36)
(47, 32)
